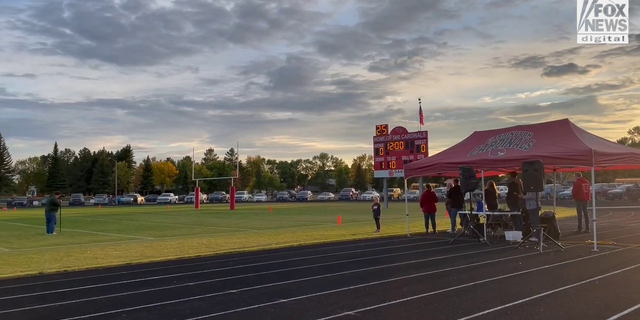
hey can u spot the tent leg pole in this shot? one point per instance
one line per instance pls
(555, 192)
(406, 207)
(484, 206)
(593, 199)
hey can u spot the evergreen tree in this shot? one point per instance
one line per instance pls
(6, 167)
(103, 173)
(184, 180)
(147, 185)
(126, 155)
(55, 171)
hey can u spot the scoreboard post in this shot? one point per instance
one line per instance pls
(393, 149)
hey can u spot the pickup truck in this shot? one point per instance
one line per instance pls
(167, 198)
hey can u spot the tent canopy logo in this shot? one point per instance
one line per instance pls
(497, 146)
(603, 21)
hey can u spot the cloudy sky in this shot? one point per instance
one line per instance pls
(292, 78)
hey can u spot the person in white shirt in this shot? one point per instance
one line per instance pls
(533, 206)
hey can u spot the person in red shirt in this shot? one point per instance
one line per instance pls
(581, 193)
(428, 202)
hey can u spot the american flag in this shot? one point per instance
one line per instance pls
(421, 114)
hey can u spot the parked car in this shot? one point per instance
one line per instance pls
(601, 189)
(547, 193)
(260, 197)
(394, 193)
(101, 200)
(619, 193)
(151, 198)
(181, 197)
(243, 196)
(76, 199)
(477, 196)
(413, 195)
(132, 198)
(369, 195)
(441, 193)
(191, 198)
(326, 196)
(286, 195)
(219, 196)
(348, 194)
(43, 202)
(566, 195)
(304, 196)
(167, 198)
(21, 202)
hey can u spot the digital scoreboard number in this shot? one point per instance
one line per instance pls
(392, 149)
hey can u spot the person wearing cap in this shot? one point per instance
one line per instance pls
(50, 211)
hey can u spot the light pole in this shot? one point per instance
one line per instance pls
(116, 179)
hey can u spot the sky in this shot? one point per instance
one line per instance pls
(289, 79)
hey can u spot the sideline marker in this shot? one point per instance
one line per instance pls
(270, 209)
(339, 220)
(168, 207)
(15, 209)
(100, 206)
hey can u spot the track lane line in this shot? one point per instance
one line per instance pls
(303, 279)
(457, 287)
(161, 223)
(248, 288)
(236, 267)
(624, 313)
(78, 230)
(549, 292)
(211, 262)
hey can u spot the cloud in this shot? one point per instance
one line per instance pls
(389, 17)
(528, 62)
(5, 93)
(567, 69)
(600, 87)
(14, 75)
(630, 50)
(144, 33)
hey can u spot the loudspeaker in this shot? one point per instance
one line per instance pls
(468, 179)
(532, 176)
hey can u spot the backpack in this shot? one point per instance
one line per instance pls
(553, 229)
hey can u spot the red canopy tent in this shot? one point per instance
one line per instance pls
(560, 145)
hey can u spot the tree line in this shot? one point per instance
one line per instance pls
(94, 172)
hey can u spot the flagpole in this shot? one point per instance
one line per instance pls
(419, 120)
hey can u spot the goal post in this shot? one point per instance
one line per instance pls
(232, 190)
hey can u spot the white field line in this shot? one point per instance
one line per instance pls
(453, 288)
(549, 292)
(162, 223)
(259, 286)
(3, 249)
(78, 230)
(242, 266)
(624, 313)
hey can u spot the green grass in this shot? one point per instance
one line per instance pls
(93, 237)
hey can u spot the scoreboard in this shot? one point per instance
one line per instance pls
(392, 149)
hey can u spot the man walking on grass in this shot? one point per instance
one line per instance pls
(581, 193)
(50, 211)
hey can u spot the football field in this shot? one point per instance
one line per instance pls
(107, 236)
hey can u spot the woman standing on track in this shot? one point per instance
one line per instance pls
(428, 202)
(376, 209)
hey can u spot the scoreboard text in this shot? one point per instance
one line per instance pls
(393, 149)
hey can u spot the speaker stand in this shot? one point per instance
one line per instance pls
(543, 234)
(471, 225)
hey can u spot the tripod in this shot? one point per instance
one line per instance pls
(543, 234)
(471, 225)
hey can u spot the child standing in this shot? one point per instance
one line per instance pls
(428, 202)
(375, 208)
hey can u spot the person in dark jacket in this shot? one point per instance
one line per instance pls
(376, 210)
(428, 202)
(491, 196)
(515, 199)
(50, 211)
(456, 199)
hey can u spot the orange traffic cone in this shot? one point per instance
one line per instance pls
(15, 209)
(339, 220)
(168, 207)
(99, 206)
(270, 209)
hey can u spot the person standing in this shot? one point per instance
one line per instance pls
(581, 193)
(514, 199)
(533, 206)
(428, 202)
(50, 211)
(376, 209)
(491, 196)
(456, 199)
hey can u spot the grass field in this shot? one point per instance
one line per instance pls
(93, 237)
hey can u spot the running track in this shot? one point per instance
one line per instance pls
(389, 278)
